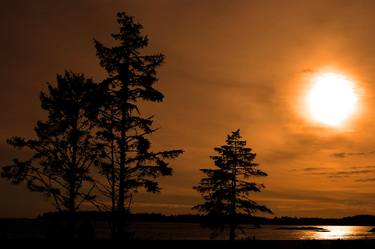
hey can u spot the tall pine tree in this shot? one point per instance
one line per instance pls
(226, 188)
(131, 76)
(64, 149)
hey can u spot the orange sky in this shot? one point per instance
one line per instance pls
(229, 64)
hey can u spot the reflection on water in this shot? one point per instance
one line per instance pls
(346, 232)
(327, 233)
(273, 232)
(338, 232)
(194, 231)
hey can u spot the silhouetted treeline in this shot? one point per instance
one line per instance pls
(360, 220)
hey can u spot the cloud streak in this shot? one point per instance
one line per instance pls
(331, 173)
(349, 154)
(366, 180)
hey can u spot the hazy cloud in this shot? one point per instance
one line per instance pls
(314, 169)
(322, 196)
(366, 180)
(307, 71)
(331, 173)
(347, 154)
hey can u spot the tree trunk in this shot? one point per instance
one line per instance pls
(232, 226)
(113, 189)
(72, 184)
(124, 78)
(72, 218)
(232, 229)
(121, 197)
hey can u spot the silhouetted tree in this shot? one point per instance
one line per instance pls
(63, 150)
(226, 188)
(131, 76)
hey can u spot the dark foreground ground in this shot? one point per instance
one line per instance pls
(181, 244)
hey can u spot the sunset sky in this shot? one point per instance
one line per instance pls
(229, 65)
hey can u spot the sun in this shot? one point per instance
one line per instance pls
(332, 99)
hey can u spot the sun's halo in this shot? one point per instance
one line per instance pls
(332, 99)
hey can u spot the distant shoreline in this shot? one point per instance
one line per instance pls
(360, 220)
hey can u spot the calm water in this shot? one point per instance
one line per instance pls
(265, 232)
(192, 231)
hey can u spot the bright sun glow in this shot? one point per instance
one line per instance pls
(331, 99)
